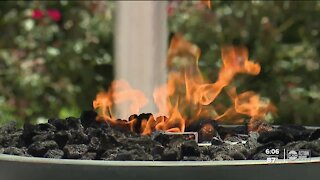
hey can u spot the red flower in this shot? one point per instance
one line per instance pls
(37, 14)
(54, 14)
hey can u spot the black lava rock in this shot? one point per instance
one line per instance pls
(216, 141)
(77, 136)
(43, 137)
(39, 148)
(314, 135)
(190, 148)
(171, 154)
(75, 151)
(88, 118)
(124, 156)
(85, 138)
(157, 152)
(222, 157)
(61, 138)
(11, 139)
(15, 151)
(89, 156)
(160, 137)
(297, 132)
(74, 123)
(54, 154)
(94, 144)
(276, 135)
(59, 124)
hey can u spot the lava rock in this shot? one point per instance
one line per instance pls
(87, 118)
(296, 131)
(8, 128)
(109, 154)
(44, 137)
(216, 141)
(89, 156)
(44, 127)
(77, 137)
(42, 131)
(16, 151)
(73, 123)
(314, 135)
(192, 158)
(157, 152)
(59, 124)
(141, 155)
(75, 151)
(190, 148)
(260, 156)
(39, 148)
(276, 135)
(107, 142)
(54, 154)
(222, 157)
(11, 139)
(252, 141)
(160, 137)
(124, 156)
(94, 132)
(171, 154)
(61, 138)
(144, 142)
(94, 144)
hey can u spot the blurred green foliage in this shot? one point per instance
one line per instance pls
(54, 67)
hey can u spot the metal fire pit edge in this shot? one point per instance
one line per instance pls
(31, 168)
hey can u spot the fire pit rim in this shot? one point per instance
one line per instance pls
(13, 158)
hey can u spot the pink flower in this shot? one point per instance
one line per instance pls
(54, 14)
(37, 14)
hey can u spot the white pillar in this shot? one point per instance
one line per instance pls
(141, 45)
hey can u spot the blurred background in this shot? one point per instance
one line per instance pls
(56, 55)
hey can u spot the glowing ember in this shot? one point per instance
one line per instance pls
(187, 96)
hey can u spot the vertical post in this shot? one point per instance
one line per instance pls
(141, 44)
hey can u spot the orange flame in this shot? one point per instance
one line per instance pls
(190, 91)
(248, 103)
(119, 92)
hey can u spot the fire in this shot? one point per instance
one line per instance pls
(248, 103)
(187, 96)
(119, 92)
